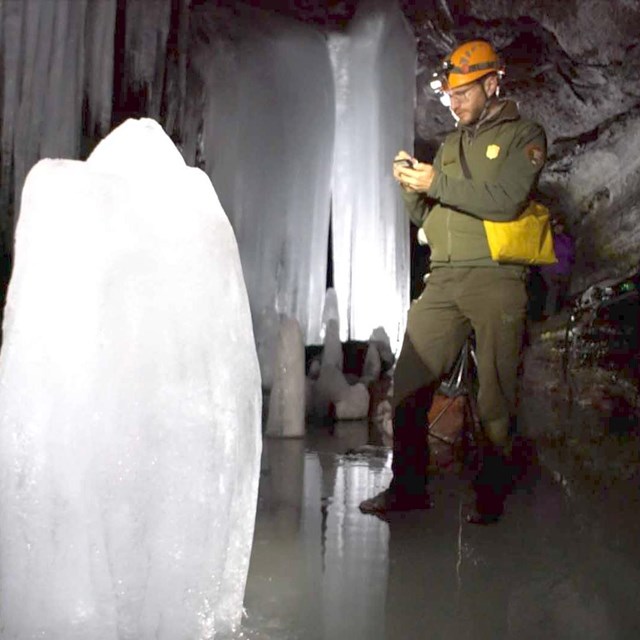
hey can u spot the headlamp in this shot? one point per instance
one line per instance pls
(436, 83)
(439, 78)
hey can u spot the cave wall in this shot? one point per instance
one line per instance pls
(597, 184)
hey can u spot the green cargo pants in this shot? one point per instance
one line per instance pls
(489, 300)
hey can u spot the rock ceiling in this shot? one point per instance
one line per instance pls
(572, 65)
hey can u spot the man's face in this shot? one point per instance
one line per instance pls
(468, 102)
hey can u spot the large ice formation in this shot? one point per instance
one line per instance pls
(130, 402)
(374, 69)
(267, 144)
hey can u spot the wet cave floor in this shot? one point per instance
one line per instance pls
(563, 563)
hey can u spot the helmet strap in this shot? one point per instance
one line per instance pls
(489, 102)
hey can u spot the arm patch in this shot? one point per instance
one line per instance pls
(535, 154)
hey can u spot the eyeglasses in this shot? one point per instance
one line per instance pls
(462, 94)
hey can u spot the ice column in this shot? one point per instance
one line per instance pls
(374, 66)
(267, 143)
(130, 402)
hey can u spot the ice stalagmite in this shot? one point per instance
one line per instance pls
(372, 364)
(129, 402)
(287, 399)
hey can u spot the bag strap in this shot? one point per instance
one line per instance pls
(463, 160)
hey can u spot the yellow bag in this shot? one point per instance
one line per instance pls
(526, 240)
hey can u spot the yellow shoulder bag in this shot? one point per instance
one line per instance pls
(526, 240)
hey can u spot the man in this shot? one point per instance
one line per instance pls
(485, 170)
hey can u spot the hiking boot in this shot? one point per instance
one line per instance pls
(387, 501)
(492, 485)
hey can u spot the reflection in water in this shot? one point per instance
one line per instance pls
(355, 554)
(278, 571)
(554, 568)
(313, 550)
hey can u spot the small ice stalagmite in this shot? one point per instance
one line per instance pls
(380, 339)
(332, 354)
(287, 401)
(372, 365)
(334, 397)
(328, 388)
(353, 404)
(130, 402)
(330, 310)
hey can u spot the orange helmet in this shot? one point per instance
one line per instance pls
(467, 63)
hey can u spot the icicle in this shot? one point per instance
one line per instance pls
(51, 52)
(50, 91)
(175, 92)
(99, 34)
(11, 50)
(147, 29)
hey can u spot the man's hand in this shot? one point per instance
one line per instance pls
(418, 177)
(402, 161)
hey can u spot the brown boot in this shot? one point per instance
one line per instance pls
(387, 501)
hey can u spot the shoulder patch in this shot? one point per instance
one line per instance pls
(535, 154)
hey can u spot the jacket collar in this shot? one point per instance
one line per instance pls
(506, 111)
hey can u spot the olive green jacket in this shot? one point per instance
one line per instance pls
(504, 155)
